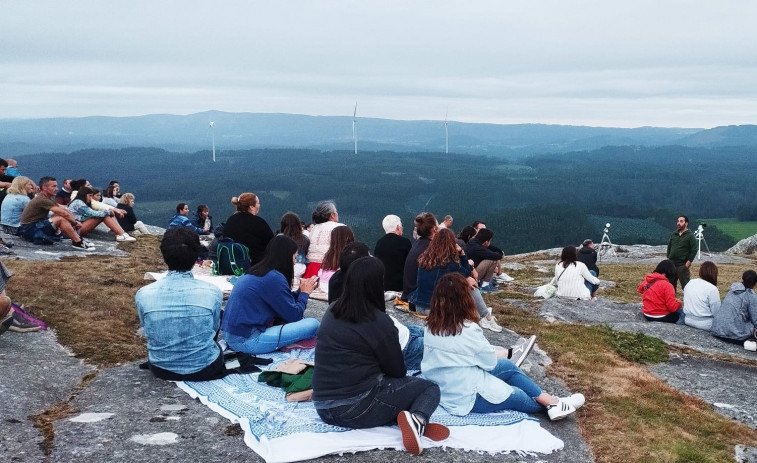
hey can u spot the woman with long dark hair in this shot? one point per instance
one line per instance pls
(263, 314)
(571, 275)
(341, 236)
(443, 256)
(701, 298)
(246, 227)
(360, 378)
(473, 375)
(291, 226)
(658, 295)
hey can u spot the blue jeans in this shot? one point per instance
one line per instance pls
(413, 351)
(592, 288)
(274, 337)
(524, 391)
(386, 399)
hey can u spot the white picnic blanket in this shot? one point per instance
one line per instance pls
(281, 431)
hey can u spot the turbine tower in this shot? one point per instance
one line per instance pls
(213, 135)
(354, 133)
(446, 135)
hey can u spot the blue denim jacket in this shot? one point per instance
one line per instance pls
(180, 316)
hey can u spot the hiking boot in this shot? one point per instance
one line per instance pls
(82, 246)
(560, 410)
(125, 237)
(412, 429)
(21, 325)
(520, 350)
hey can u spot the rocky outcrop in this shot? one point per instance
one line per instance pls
(745, 246)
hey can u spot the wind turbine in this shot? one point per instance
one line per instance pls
(213, 134)
(354, 133)
(446, 135)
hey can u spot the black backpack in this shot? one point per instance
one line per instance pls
(233, 258)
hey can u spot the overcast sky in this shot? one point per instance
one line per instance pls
(604, 63)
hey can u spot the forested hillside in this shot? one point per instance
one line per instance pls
(533, 203)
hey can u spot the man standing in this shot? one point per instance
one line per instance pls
(181, 315)
(392, 249)
(682, 248)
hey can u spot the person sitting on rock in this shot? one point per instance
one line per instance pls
(588, 255)
(486, 260)
(571, 275)
(109, 196)
(181, 315)
(701, 298)
(63, 196)
(736, 321)
(181, 220)
(203, 219)
(341, 236)
(263, 314)
(94, 204)
(129, 222)
(659, 303)
(392, 250)
(360, 378)
(14, 203)
(291, 226)
(39, 227)
(473, 375)
(90, 218)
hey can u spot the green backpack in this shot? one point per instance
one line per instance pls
(233, 258)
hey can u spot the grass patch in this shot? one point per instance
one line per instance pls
(630, 415)
(636, 347)
(734, 228)
(78, 298)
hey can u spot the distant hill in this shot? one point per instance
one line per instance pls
(732, 135)
(191, 133)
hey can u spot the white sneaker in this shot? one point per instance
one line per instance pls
(125, 237)
(503, 278)
(490, 324)
(576, 400)
(560, 410)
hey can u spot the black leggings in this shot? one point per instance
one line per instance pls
(669, 318)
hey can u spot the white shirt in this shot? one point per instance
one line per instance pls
(570, 281)
(701, 300)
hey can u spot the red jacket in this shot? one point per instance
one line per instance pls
(660, 298)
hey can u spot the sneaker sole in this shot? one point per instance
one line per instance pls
(436, 432)
(526, 351)
(410, 439)
(19, 329)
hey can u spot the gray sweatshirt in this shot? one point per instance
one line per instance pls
(737, 317)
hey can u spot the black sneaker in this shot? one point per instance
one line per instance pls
(412, 429)
(21, 325)
(83, 246)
